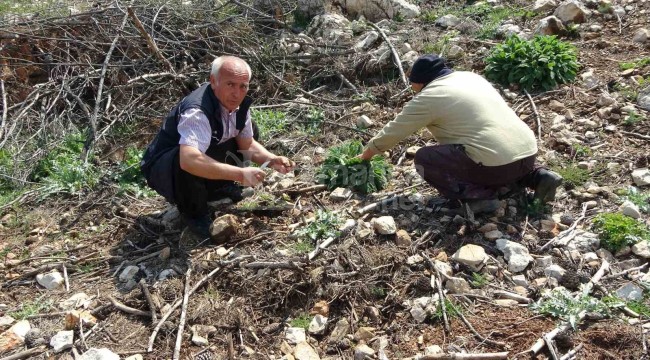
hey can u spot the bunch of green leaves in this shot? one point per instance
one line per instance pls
(573, 175)
(129, 177)
(635, 64)
(31, 308)
(638, 198)
(541, 63)
(302, 321)
(559, 303)
(451, 310)
(632, 118)
(325, 225)
(342, 168)
(313, 121)
(478, 280)
(617, 230)
(270, 122)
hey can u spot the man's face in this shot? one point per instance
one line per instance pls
(231, 84)
(417, 87)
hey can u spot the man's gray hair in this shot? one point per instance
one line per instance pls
(216, 65)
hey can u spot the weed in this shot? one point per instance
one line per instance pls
(636, 64)
(342, 168)
(573, 175)
(543, 63)
(561, 304)
(31, 308)
(617, 230)
(478, 280)
(303, 247)
(325, 225)
(628, 92)
(581, 150)
(313, 121)
(378, 292)
(640, 308)
(488, 16)
(4, 252)
(300, 19)
(271, 123)
(451, 310)
(87, 267)
(632, 118)
(440, 46)
(638, 198)
(301, 321)
(130, 178)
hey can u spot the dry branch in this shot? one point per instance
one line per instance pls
(30, 353)
(129, 310)
(537, 118)
(150, 42)
(396, 58)
(147, 296)
(459, 356)
(567, 234)
(181, 325)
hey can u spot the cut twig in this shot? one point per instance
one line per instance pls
(512, 296)
(118, 305)
(26, 353)
(572, 353)
(65, 278)
(147, 295)
(150, 42)
(567, 234)
(460, 356)
(636, 135)
(396, 58)
(181, 325)
(537, 118)
(347, 83)
(4, 107)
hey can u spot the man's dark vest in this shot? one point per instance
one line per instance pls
(168, 137)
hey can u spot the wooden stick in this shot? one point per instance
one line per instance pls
(347, 83)
(459, 356)
(176, 304)
(65, 278)
(625, 272)
(118, 305)
(572, 353)
(147, 295)
(25, 354)
(181, 325)
(512, 296)
(4, 107)
(150, 42)
(396, 58)
(568, 233)
(319, 187)
(476, 333)
(537, 118)
(636, 135)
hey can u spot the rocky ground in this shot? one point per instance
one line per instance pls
(112, 275)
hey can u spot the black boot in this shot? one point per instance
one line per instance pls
(546, 183)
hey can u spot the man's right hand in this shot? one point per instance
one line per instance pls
(252, 176)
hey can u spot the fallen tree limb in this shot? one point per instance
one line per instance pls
(147, 295)
(537, 118)
(118, 305)
(636, 135)
(396, 58)
(150, 42)
(181, 325)
(26, 353)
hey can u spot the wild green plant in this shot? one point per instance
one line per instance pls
(440, 46)
(450, 309)
(342, 168)
(605, 8)
(300, 19)
(559, 303)
(478, 280)
(378, 292)
(542, 63)
(313, 121)
(640, 307)
(270, 122)
(635, 64)
(581, 150)
(638, 198)
(488, 16)
(632, 118)
(30, 308)
(617, 230)
(129, 176)
(302, 321)
(325, 225)
(303, 247)
(573, 175)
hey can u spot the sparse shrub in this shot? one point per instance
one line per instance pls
(478, 280)
(301, 321)
(378, 292)
(541, 63)
(561, 304)
(314, 120)
(573, 175)
(451, 310)
(581, 150)
(638, 198)
(632, 118)
(129, 177)
(636, 64)
(326, 224)
(617, 230)
(270, 123)
(440, 46)
(489, 17)
(342, 168)
(31, 308)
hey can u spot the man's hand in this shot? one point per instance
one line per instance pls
(367, 154)
(282, 164)
(252, 176)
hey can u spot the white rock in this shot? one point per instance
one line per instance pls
(50, 281)
(572, 11)
(367, 41)
(135, 357)
(20, 329)
(378, 10)
(457, 285)
(641, 36)
(493, 235)
(507, 30)
(590, 256)
(642, 249)
(304, 351)
(340, 330)
(364, 122)
(317, 324)
(515, 254)
(166, 274)
(643, 98)
(295, 335)
(455, 52)
(589, 79)
(62, 340)
(447, 21)
(543, 262)
(129, 273)
(520, 280)
(471, 255)
(554, 271)
(418, 314)
(630, 292)
(6, 321)
(406, 47)
(443, 267)
(549, 25)
(432, 350)
(414, 259)
(584, 241)
(340, 194)
(75, 301)
(630, 209)
(641, 177)
(362, 351)
(384, 225)
(409, 58)
(99, 354)
(332, 28)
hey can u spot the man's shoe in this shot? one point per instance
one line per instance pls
(546, 184)
(198, 225)
(484, 206)
(229, 190)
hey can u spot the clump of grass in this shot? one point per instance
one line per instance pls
(31, 308)
(617, 230)
(478, 280)
(632, 118)
(378, 292)
(301, 321)
(573, 175)
(451, 310)
(342, 168)
(559, 303)
(635, 64)
(270, 123)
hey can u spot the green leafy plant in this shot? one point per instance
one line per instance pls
(573, 175)
(325, 225)
(378, 292)
(31, 308)
(478, 280)
(129, 177)
(313, 121)
(559, 303)
(450, 309)
(440, 46)
(301, 321)
(270, 123)
(581, 150)
(632, 118)
(640, 308)
(638, 198)
(636, 64)
(541, 63)
(489, 17)
(342, 168)
(617, 230)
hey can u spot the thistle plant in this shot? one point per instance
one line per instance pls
(342, 168)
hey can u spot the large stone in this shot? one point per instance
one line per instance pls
(550, 25)
(641, 177)
(99, 354)
(364, 122)
(447, 21)
(381, 9)
(630, 292)
(129, 273)
(572, 11)
(473, 256)
(304, 351)
(51, 281)
(554, 271)
(641, 36)
(384, 225)
(584, 241)
(332, 28)
(630, 209)
(642, 249)
(14, 337)
(340, 194)
(62, 340)
(366, 43)
(403, 238)
(317, 324)
(544, 6)
(457, 285)
(515, 254)
(295, 335)
(224, 227)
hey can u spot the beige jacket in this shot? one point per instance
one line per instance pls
(463, 108)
